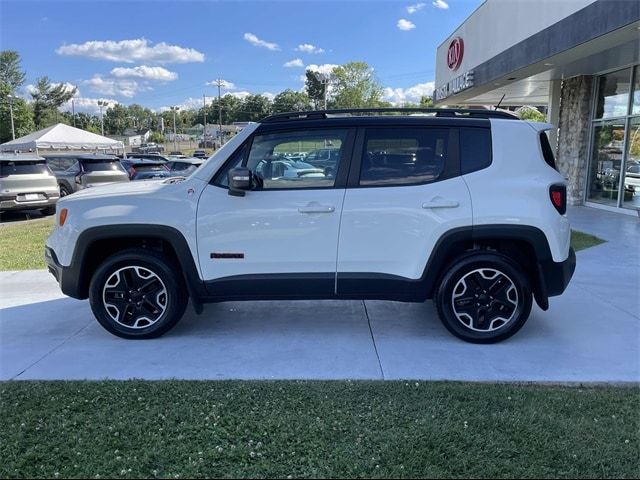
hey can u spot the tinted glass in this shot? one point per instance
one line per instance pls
(635, 107)
(403, 156)
(547, 151)
(631, 182)
(23, 168)
(475, 149)
(61, 163)
(613, 94)
(606, 162)
(102, 166)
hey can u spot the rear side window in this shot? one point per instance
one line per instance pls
(23, 168)
(475, 149)
(102, 166)
(403, 156)
(547, 151)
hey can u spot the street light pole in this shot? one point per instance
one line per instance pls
(220, 83)
(102, 104)
(175, 144)
(13, 129)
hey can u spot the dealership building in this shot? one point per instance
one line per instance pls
(579, 60)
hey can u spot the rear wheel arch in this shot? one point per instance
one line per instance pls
(525, 245)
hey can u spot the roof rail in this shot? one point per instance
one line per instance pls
(438, 112)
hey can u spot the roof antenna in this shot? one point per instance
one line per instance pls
(496, 107)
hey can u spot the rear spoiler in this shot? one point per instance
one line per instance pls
(541, 126)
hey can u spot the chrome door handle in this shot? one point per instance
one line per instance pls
(317, 209)
(441, 204)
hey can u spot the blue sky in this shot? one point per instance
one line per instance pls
(165, 52)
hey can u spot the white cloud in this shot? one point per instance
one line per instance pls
(440, 4)
(296, 62)
(130, 51)
(143, 71)
(416, 7)
(413, 94)
(116, 87)
(191, 103)
(87, 105)
(255, 41)
(225, 84)
(241, 94)
(405, 25)
(308, 48)
(324, 69)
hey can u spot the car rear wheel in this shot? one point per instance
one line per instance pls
(484, 298)
(138, 294)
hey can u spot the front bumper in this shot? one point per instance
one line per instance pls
(557, 275)
(66, 277)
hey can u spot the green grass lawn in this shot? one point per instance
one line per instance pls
(581, 240)
(316, 429)
(22, 244)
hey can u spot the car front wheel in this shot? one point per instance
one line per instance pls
(138, 294)
(484, 298)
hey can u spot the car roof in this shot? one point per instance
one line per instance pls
(192, 160)
(18, 157)
(143, 161)
(82, 156)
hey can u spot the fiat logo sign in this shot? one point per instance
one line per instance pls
(455, 53)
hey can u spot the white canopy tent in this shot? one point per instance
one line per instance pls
(61, 137)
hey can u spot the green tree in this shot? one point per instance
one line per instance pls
(354, 86)
(291, 101)
(11, 74)
(156, 137)
(314, 86)
(426, 101)
(254, 108)
(47, 98)
(530, 113)
(22, 116)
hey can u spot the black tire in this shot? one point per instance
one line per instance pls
(131, 311)
(64, 191)
(503, 301)
(49, 210)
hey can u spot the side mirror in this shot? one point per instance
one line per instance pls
(239, 181)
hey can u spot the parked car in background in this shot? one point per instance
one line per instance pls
(143, 169)
(200, 154)
(325, 158)
(173, 154)
(150, 148)
(26, 182)
(282, 168)
(77, 171)
(148, 156)
(184, 166)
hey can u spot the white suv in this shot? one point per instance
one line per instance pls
(462, 206)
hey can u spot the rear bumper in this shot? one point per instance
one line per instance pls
(65, 276)
(557, 275)
(12, 203)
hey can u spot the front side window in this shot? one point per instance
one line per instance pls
(291, 160)
(403, 156)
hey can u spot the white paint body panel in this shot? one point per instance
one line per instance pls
(387, 230)
(268, 228)
(515, 188)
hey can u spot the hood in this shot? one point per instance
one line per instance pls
(119, 189)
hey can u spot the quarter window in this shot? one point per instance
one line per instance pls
(475, 149)
(403, 156)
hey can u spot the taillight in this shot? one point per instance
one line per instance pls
(558, 196)
(79, 178)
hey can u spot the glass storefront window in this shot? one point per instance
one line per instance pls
(613, 94)
(631, 184)
(606, 162)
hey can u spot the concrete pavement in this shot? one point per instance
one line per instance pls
(590, 334)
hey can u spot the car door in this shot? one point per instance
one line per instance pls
(404, 192)
(281, 237)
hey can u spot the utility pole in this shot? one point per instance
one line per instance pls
(175, 141)
(204, 114)
(101, 104)
(220, 83)
(73, 112)
(13, 129)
